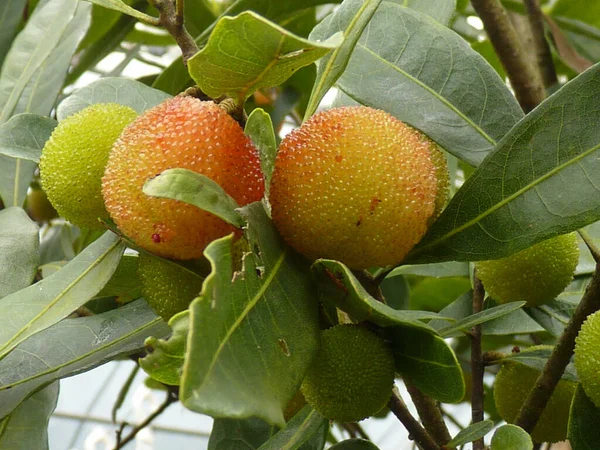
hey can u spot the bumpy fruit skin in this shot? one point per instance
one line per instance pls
(167, 287)
(512, 385)
(356, 185)
(535, 275)
(73, 161)
(182, 132)
(352, 375)
(587, 357)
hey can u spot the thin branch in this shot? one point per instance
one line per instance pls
(477, 366)
(123, 392)
(171, 19)
(430, 414)
(542, 47)
(525, 80)
(416, 432)
(590, 245)
(538, 397)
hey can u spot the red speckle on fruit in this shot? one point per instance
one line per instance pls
(156, 238)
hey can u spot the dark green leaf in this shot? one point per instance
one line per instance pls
(10, 15)
(247, 52)
(438, 270)
(583, 10)
(537, 358)
(125, 283)
(427, 361)
(555, 315)
(196, 189)
(509, 437)
(246, 434)
(37, 307)
(541, 181)
(354, 444)
(27, 426)
(427, 66)
(121, 6)
(471, 433)
(72, 346)
(307, 425)
(487, 315)
(260, 129)
(19, 250)
(351, 17)
(254, 330)
(583, 431)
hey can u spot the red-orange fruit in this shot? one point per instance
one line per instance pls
(356, 185)
(182, 132)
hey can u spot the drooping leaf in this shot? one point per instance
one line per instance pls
(583, 431)
(352, 17)
(509, 437)
(541, 181)
(199, 190)
(27, 426)
(354, 444)
(234, 434)
(72, 346)
(437, 270)
(121, 6)
(247, 52)
(427, 66)
(254, 331)
(259, 128)
(37, 307)
(471, 433)
(116, 90)
(19, 250)
(428, 362)
(307, 425)
(10, 16)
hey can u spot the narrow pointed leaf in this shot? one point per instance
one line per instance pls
(541, 181)
(537, 359)
(259, 128)
(487, 315)
(306, 425)
(429, 67)
(509, 437)
(253, 330)
(352, 17)
(247, 52)
(196, 189)
(121, 6)
(471, 433)
(10, 17)
(583, 431)
(437, 270)
(41, 305)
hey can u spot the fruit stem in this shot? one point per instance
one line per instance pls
(477, 367)
(415, 431)
(541, 392)
(171, 19)
(430, 414)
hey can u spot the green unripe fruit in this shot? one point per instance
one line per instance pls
(352, 375)
(39, 207)
(167, 287)
(535, 275)
(74, 158)
(511, 388)
(587, 361)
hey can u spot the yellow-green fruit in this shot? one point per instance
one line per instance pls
(356, 185)
(352, 375)
(167, 287)
(587, 357)
(535, 275)
(39, 207)
(512, 385)
(74, 158)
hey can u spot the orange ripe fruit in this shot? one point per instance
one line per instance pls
(182, 132)
(356, 185)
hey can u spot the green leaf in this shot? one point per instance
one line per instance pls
(429, 67)
(124, 91)
(509, 437)
(10, 16)
(196, 189)
(121, 6)
(437, 270)
(27, 426)
(37, 307)
(464, 325)
(583, 431)
(471, 433)
(554, 315)
(19, 250)
(32, 48)
(259, 128)
(354, 444)
(254, 330)
(233, 434)
(545, 173)
(125, 283)
(440, 10)
(537, 358)
(72, 346)
(305, 426)
(247, 52)
(338, 284)
(164, 362)
(583, 10)
(434, 294)
(352, 17)
(427, 361)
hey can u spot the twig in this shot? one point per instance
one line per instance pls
(416, 432)
(477, 367)
(171, 19)
(172, 397)
(542, 48)
(590, 245)
(538, 397)
(123, 392)
(430, 414)
(525, 80)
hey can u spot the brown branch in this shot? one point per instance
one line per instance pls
(542, 48)
(477, 366)
(171, 19)
(525, 80)
(430, 414)
(416, 432)
(539, 395)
